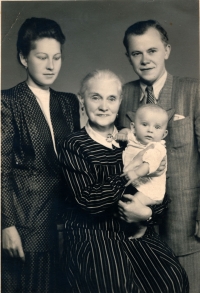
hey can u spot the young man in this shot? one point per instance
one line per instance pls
(147, 48)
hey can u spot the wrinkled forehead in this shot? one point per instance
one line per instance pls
(95, 83)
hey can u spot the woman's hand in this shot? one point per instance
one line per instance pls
(131, 176)
(132, 210)
(11, 243)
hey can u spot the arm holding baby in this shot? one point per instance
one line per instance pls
(148, 130)
(149, 162)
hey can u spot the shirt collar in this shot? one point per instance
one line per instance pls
(157, 86)
(101, 139)
(40, 92)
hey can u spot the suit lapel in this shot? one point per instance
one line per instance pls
(165, 96)
(37, 124)
(58, 121)
(164, 100)
(134, 102)
(131, 115)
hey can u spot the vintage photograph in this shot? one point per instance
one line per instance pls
(100, 147)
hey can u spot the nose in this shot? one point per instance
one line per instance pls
(50, 64)
(145, 59)
(150, 129)
(103, 106)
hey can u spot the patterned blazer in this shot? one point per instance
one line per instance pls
(31, 179)
(178, 96)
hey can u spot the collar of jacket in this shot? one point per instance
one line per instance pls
(164, 99)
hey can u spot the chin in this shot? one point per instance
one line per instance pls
(148, 78)
(48, 83)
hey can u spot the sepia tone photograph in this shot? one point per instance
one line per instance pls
(100, 147)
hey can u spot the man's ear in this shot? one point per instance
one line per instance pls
(165, 133)
(128, 57)
(132, 126)
(23, 60)
(167, 51)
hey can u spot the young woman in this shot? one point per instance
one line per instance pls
(101, 253)
(34, 119)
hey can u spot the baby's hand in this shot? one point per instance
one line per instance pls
(121, 137)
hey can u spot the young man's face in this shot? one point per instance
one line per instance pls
(147, 54)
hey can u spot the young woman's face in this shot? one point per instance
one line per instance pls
(43, 62)
(102, 100)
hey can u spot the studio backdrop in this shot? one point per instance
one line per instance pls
(94, 32)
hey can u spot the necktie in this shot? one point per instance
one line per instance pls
(150, 95)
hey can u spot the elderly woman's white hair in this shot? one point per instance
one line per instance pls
(99, 74)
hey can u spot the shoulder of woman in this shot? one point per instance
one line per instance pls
(11, 95)
(68, 100)
(63, 95)
(13, 92)
(75, 139)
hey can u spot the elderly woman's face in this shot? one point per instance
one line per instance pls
(102, 100)
(43, 62)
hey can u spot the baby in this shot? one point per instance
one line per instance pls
(147, 132)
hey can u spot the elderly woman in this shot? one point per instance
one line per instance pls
(34, 119)
(101, 253)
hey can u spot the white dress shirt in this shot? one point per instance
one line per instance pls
(43, 99)
(101, 139)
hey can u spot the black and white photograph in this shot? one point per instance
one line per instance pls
(100, 146)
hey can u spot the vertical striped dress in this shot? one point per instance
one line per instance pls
(99, 255)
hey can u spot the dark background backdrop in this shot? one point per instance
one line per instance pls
(94, 33)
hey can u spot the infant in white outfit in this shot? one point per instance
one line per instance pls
(146, 132)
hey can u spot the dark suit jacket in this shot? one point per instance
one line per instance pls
(31, 179)
(178, 96)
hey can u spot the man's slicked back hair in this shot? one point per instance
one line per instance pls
(140, 27)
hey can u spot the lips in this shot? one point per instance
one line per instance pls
(103, 115)
(149, 137)
(146, 69)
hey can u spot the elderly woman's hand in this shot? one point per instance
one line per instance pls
(132, 210)
(131, 176)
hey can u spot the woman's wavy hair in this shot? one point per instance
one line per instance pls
(37, 28)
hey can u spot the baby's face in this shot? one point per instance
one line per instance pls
(150, 126)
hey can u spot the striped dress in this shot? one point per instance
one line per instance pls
(99, 256)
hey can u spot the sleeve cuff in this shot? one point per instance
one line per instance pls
(5, 223)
